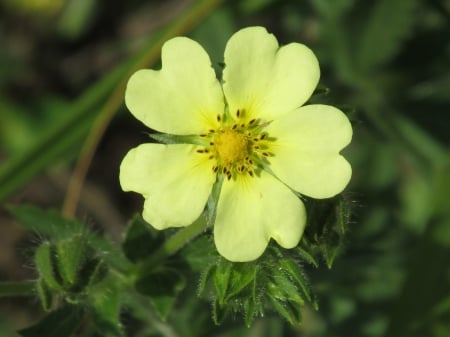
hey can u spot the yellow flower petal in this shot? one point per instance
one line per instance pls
(174, 179)
(265, 80)
(307, 147)
(184, 97)
(253, 210)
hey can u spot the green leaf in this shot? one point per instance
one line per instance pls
(162, 286)
(327, 223)
(140, 239)
(200, 253)
(241, 276)
(46, 222)
(106, 312)
(52, 224)
(163, 305)
(62, 322)
(390, 23)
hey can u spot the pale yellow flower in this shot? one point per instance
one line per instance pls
(252, 129)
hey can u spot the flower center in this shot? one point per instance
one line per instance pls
(231, 146)
(237, 146)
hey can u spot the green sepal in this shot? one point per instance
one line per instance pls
(45, 262)
(281, 287)
(91, 272)
(242, 276)
(296, 274)
(290, 311)
(276, 281)
(166, 138)
(307, 256)
(219, 312)
(62, 322)
(45, 295)
(221, 278)
(71, 254)
(252, 308)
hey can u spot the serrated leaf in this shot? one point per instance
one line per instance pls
(241, 276)
(200, 254)
(62, 322)
(140, 239)
(45, 222)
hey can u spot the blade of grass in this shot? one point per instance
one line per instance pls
(67, 133)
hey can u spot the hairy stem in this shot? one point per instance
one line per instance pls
(175, 243)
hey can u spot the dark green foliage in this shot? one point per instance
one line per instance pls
(327, 223)
(68, 268)
(386, 60)
(49, 223)
(275, 282)
(140, 239)
(389, 24)
(62, 322)
(161, 285)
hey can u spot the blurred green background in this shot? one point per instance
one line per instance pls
(63, 66)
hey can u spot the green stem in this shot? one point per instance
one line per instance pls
(21, 288)
(175, 243)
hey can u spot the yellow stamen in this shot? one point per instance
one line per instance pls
(231, 146)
